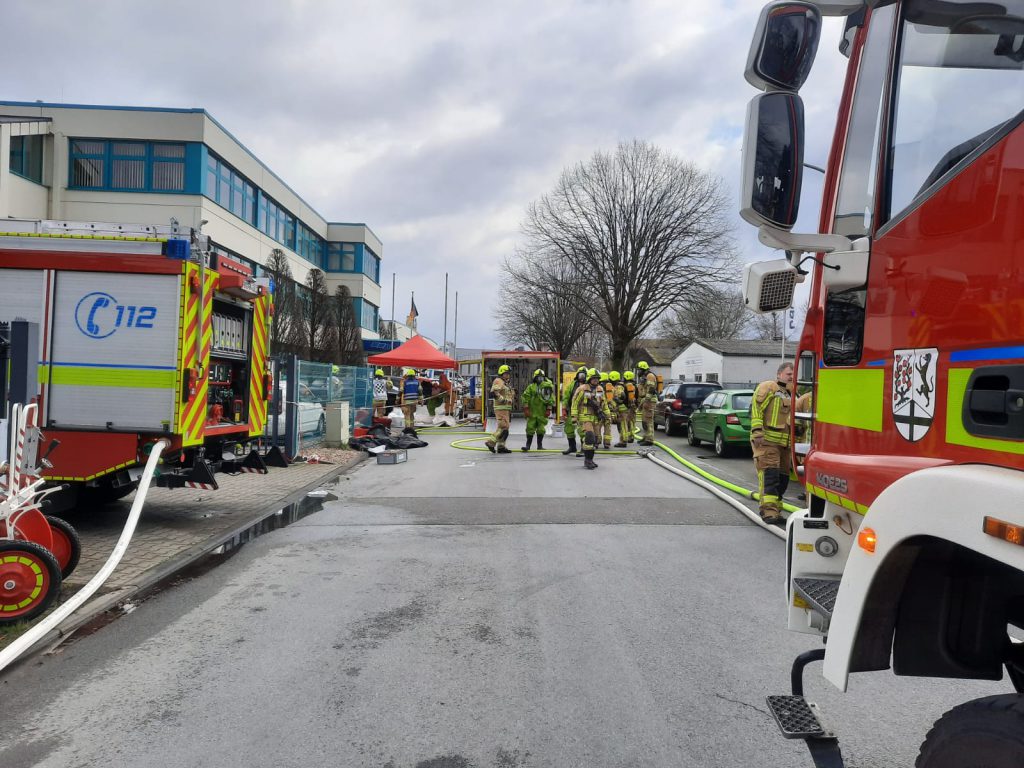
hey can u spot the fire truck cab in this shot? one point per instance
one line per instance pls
(911, 553)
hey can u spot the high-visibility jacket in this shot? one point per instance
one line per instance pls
(569, 392)
(619, 396)
(410, 390)
(590, 404)
(648, 387)
(380, 389)
(503, 395)
(770, 412)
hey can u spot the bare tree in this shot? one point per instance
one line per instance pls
(347, 336)
(641, 229)
(714, 313)
(317, 327)
(768, 327)
(536, 314)
(284, 327)
(386, 329)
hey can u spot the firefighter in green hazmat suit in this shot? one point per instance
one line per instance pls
(538, 400)
(590, 410)
(572, 428)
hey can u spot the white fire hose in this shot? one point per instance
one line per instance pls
(36, 633)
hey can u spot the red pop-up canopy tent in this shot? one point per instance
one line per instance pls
(415, 353)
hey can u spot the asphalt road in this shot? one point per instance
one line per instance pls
(465, 609)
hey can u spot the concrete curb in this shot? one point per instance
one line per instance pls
(161, 572)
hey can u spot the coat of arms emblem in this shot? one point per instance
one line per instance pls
(913, 391)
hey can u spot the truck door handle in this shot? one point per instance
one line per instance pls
(994, 402)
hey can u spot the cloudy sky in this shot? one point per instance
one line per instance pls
(436, 122)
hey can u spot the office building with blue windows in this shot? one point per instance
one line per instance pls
(143, 165)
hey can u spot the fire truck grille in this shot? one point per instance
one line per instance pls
(777, 291)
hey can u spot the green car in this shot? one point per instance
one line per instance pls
(723, 419)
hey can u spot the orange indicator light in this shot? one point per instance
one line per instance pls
(867, 539)
(1014, 534)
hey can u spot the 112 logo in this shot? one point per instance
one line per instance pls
(99, 314)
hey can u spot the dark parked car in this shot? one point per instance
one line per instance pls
(723, 420)
(677, 401)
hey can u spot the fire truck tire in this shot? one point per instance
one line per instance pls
(67, 547)
(102, 494)
(29, 580)
(691, 436)
(990, 731)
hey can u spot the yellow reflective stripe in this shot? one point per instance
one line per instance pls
(955, 432)
(835, 498)
(128, 378)
(69, 236)
(851, 397)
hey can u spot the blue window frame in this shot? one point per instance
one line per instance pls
(371, 265)
(353, 257)
(275, 221)
(229, 189)
(366, 314)
(27, 157)
(310, 246)
(127, 166)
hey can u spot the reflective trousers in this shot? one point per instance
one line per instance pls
(771, 461)
(504, 418)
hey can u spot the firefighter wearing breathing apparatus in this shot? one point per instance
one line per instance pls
(410, 397)
(590, 410)
(503, 396)
(769, 438)
(619, 409)
(538, 400)
(572, 427)
(647, 393)
(606, 428)
(380, 393)
(630, 399)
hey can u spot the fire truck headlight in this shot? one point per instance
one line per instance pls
(826, 546)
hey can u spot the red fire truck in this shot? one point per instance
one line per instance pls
(911, 554)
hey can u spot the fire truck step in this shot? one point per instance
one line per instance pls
(796, 718)
(820, 593)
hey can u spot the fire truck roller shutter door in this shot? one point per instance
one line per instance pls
(115, 350)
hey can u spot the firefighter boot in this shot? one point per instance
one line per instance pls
(490, 445)
(529, 444)
(503, 449)
(571, 448)
(540, 441)
(588, 460)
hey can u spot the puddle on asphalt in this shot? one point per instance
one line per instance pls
(312, 502)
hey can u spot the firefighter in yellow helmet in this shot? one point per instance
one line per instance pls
(647, 393)
(630, 399)
(503, 396)
(572, 427)
(590, 410)
(380, 393)
(538, 400)
(608, 426)
(769, 439)
(618, 406)
(411, 395)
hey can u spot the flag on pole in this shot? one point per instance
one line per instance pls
(413, 313)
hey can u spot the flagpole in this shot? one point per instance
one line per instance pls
(444, 343)
(393, 304)
(455, 341)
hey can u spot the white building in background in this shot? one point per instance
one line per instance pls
(729, 362)
(143, 165)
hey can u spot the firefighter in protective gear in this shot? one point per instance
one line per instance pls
(769, 439)
(647, 394)
(538, 400)
(618, 406)
(410, 397)
(503, 396)
(606, 428)
(590, 410)
(630, 398)
(380, 393)
(572, 427)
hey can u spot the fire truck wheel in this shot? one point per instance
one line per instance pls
(29, 580)
(989, 730)
(92, 496)
(67, 547)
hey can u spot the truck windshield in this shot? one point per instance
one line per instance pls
(960, 85)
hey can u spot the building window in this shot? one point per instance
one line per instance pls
(229, 189)
(713, 377)
(27, 157)
(367, 314)
(341, 257)
(310, 245)
(371, 265)
(276, 222)
(127, 166)
(698, 377)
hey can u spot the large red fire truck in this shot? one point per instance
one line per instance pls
(144, 333)
(911, 554)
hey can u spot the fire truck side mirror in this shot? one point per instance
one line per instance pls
(844, 270)
(768, 286)
(784, 45)
(773, 160)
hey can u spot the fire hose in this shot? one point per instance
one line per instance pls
(37, 632)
